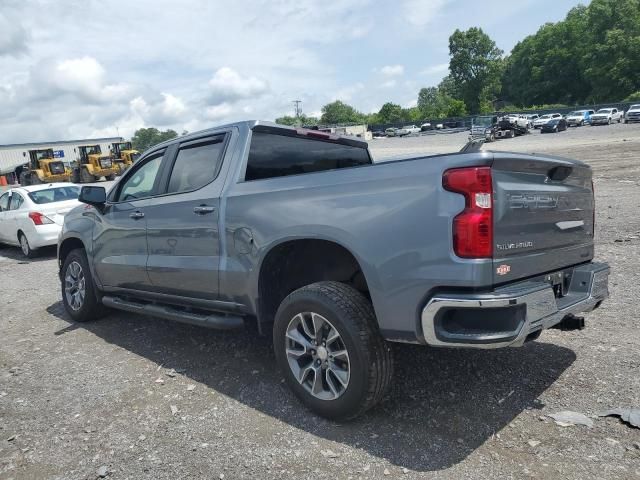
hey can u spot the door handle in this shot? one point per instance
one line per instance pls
(136, 215)
(203, 210)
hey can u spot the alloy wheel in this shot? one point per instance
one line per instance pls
(24, 245)
(74, 286)
(317, 356)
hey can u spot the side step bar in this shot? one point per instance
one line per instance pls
(211, 320)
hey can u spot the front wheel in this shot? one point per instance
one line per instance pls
(78, 289)
(327, 344)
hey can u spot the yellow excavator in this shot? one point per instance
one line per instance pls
(124, 155)
(92, 165)
(43, 167)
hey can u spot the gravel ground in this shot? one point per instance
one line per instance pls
(136, 397)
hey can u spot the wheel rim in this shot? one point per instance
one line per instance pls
(24, 244)
(317, 356)
(74, 286)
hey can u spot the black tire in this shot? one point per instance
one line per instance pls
(75, 176)
(86, 177)
(370, 359)
(27, 251)
(492, 137)
(111, 177)
(24, 179)
(90, 307)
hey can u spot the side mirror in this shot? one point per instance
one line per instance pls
(96, 196)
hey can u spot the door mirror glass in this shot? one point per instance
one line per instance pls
(93, 195)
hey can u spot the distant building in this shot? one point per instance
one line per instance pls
(14, 156)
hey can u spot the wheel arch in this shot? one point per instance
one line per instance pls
(295, 262)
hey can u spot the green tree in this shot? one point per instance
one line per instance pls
(436, 103)
(144, 138)
(612, 63)
(476, 66)
(340, 112)
(297, 121)
(546, 67)
(391, 113)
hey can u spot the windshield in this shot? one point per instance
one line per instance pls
(555, 121)
(52, 195)
(483, 121)
(544, 117)
(604, 110)
(577, 113)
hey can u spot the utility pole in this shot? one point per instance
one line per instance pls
(298, 108)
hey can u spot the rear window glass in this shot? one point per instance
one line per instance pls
(274, 155)
(52, 195)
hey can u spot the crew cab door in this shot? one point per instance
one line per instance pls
(183, 232)
(120, 237)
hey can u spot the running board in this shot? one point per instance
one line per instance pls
(211, 320)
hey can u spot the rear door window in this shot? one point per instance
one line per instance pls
(4, 202)
(197, 164)
(16, 201)
(272, 155)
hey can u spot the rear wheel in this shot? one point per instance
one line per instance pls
(78, 290)
(329, 348)
(27, 251)
(111, 177)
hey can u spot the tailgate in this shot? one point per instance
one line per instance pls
(543, 215)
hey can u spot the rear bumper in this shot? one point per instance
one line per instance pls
(506, 316)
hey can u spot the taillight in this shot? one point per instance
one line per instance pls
(473, 227)
(39, 218)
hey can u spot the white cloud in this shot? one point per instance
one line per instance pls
(392, 70)
(13, 35)
(388, 84)
(346, 94)
(228, 85)
(422, 12)
(440, 68)
(219, 112)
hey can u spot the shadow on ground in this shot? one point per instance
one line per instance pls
(15, 253)
(444, 403)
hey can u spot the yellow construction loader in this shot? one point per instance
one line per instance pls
(43, 167)
(92, 165)
(124, 155)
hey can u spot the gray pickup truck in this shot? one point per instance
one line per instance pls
(334, 255)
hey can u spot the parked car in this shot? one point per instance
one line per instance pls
(335, 255)
(606, 116)
(407, 130)
(578, 118)
(545, 118)
(633, 114)
(31, 217)
(554, 125)
(425, 126)
(391, 132)
(378, 134)
(532, 117)
(521, 122)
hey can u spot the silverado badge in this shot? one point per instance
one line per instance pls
(503, 269)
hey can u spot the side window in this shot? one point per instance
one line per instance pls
(4, 202)
(140, 183)
(196, 165)
(16, 201)
(273, 155)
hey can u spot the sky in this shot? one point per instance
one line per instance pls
(72, 69)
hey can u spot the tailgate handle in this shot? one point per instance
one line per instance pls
(560, 173)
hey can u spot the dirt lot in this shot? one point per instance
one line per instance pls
(136, 397)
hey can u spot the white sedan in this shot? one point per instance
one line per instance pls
(31, 217)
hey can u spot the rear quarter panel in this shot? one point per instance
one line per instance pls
(394, 217)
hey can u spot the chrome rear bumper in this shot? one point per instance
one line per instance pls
(506, 316)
